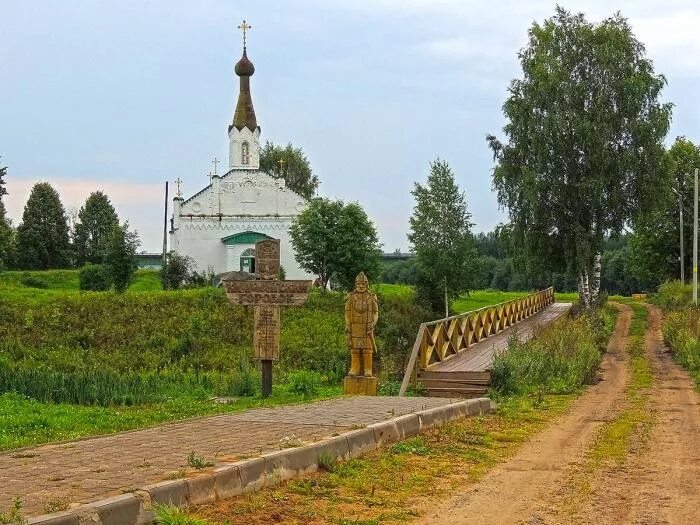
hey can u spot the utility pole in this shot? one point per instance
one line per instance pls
(680, 214)
(165, 227)
(695, 242)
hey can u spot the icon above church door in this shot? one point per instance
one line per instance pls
(248, 260)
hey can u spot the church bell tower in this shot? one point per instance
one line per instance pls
(244, 132)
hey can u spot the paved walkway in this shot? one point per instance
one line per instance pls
(479, 357)
(84, 471)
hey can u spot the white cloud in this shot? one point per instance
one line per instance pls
(672, 40)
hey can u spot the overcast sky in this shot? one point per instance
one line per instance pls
(124, 95)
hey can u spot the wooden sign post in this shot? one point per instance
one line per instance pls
(266, 294)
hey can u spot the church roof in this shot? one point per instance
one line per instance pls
(244, 117)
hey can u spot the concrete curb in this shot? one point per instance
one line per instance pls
(232, 479)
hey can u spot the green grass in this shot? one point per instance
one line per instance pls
(480, 298)
(616, 437)
(68, 280)
(25, 422)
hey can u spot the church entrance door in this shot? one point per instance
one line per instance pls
(248, 260)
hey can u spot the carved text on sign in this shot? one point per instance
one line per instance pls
(267, 259)
(266, 335)
(252, 293)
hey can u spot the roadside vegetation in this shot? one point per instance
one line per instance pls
(560, 360)
(681, 325)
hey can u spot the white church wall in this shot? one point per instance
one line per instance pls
(200, 238)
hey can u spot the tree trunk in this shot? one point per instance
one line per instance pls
(584, 289)
(595, 292)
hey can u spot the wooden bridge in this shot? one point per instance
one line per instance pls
(452, 357)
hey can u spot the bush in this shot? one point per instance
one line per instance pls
(673, 295)
(559, 360)
(681, 332)
(30, 281)
(304, 382)
(399, 320)
(95, 278)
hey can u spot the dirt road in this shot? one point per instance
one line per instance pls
(660, 483)
(657, 483)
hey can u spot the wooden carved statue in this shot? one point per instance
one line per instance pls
(361, 314)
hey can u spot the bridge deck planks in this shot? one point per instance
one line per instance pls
(480, 355)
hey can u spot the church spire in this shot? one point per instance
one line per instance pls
(244, 117)
(244, 132)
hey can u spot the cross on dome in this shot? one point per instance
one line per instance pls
(244, 27)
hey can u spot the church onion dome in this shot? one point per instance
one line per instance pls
(244, 117)
(244, 67)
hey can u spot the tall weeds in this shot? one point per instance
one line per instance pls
(558, 360)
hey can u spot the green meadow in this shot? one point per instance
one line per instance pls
(78, 363)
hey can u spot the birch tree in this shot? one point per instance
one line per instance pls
(583, 152)
(440, 235)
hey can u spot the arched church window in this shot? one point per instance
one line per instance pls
(245, 153)
(248, 260)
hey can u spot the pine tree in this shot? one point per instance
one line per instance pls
(42, 237)
(96, 220)
(441, 238)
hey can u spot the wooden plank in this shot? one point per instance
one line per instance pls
(432, 384)
(464, 376)
(479, 357)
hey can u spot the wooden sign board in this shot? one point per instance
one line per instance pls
(266, 334)
(267, 259)
(261, 293)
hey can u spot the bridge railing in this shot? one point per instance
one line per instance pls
(445, 338)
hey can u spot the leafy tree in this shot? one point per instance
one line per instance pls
(6, 231)
(584, 142)
(121, 256)
(655, 245)
(289, 163)
(177, 271)
(335, 240)
(96, 220)
(42, 237)
(441, 238)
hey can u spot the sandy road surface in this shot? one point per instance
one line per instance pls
(514, 491)
(658, 483)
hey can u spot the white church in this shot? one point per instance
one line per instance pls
(219, 225)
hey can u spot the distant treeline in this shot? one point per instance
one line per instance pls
(500, 269)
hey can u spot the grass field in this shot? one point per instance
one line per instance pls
(55, 340)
